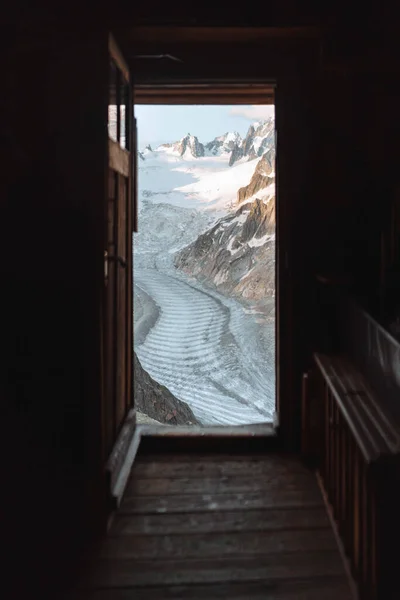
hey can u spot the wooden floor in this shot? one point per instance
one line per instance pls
(201, 526)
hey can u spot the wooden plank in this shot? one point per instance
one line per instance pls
(109, 320)
(121, 366)
(121, 447)
(217, 502)
(309, 589)
(218, 545)
(201, 466)
(118, 158)
(191, 440)
(221, 431)
(275, 458)
(128, 572)
(223, 485)
(190, 35)
(118, 57)
(120, 483)
(250, 520)
(204, 94)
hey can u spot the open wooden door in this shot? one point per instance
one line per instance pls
(119, 220)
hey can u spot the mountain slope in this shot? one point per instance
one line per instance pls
(237, 255)
(218, 188)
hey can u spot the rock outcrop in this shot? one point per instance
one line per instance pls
(189, 145)
(259, 138)
(157, 402)
(237, 153)
(237, 255)
(223, 143)
(263, 176)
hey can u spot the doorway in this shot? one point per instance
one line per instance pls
(204, 265)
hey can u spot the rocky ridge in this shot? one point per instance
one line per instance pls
(259, 138)
(223, 143)
(157, 402)
(262, 178)
(237, 255)
(188, 145)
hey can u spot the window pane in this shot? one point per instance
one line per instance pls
(112, 101)
(124, 122)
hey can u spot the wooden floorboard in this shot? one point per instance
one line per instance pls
(217, 544)
(311, 589)
(282, 566)
(241, 520)
(208, 465)
(219, 502)
(167, 486)
(217, 526)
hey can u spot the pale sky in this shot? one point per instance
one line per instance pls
(158, 124)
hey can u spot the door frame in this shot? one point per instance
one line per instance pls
(233, 93)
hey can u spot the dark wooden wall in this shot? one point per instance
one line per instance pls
(346, 227)
(342, 205)
(53, 154)
(338, 132)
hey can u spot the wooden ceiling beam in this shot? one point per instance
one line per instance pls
(204, 94)
(204, 35)
(152, 63)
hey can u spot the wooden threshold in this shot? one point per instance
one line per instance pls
(252, 438)
(225, 431)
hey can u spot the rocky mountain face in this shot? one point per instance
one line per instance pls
(260, 137)
(263, 177)
(224, 143)
(237, 255)
(188, 145)
(157, 402)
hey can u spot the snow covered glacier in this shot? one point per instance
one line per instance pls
(209, 349)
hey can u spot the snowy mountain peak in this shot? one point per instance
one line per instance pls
(189, 147)
(224, 143)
